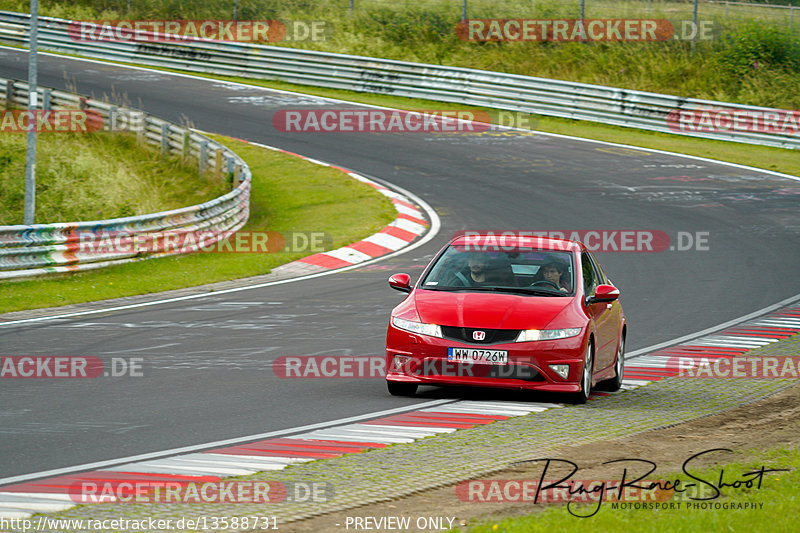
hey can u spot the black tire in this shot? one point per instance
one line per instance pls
(400, 388)
(615, 383)
(582, 396)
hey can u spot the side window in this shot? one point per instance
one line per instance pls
(599, 277)
(589, 282)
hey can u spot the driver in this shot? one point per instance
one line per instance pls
(478, 264)
(555, 272)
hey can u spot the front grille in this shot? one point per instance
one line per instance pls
(493, 336)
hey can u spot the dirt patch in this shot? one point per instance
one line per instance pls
(747, 430)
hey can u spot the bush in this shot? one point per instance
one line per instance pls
(753, 46)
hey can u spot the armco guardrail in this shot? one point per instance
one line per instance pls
(64, 247)
(510, 92)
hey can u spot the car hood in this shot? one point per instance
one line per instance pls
(489, 310)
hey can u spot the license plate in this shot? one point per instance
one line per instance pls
(477, 356)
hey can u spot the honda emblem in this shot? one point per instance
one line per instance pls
(478, 335)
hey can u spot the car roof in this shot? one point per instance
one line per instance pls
(514, 240)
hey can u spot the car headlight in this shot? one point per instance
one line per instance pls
(527, 335)
(432, 330)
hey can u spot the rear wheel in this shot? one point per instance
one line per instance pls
(586, 377)
(615, 383)
(400, 388)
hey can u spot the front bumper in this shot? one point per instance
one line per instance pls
(527, 368)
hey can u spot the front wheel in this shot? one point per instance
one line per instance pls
(400, 388)
(582, 396)
(615, 383)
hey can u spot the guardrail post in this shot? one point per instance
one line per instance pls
(9, 94)
(46, 99)
(112, 118)
(201, 165)
(218, 165)
(141, 133)
(185, 145)
(164, 139)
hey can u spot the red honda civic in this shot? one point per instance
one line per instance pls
(509, 311)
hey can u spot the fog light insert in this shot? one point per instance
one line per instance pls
(399, 362)
(561, 370)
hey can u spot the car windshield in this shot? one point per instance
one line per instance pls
(519, 270)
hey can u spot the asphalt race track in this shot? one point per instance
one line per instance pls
(207, 362)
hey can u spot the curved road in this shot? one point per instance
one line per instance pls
(207, 362)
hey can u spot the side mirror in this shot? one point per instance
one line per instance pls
(604, 293)
(401, 282)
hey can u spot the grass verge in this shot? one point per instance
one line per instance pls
(777, 493)
(288, 194)
(96, 176)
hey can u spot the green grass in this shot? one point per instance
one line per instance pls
(96, 176)
(288, 194)
(753, 57)
(778, 493)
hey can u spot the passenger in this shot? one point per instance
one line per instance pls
(554, 272)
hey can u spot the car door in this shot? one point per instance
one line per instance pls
(601, 313)
(614, 320)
